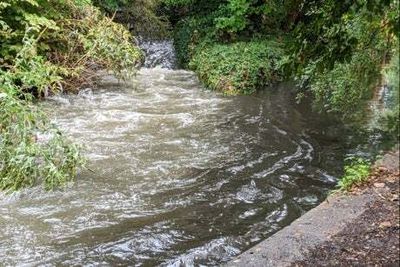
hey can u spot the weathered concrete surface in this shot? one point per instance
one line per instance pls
(293, 243)
(306, 233)
(390, 161)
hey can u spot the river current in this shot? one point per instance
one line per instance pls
(177, 175)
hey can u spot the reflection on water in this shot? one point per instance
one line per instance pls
(181, 176)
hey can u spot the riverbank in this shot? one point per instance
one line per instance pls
(356, 228)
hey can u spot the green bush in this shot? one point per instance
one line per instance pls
(238, 68)
(239, 11)
(190, 33)
(338, 50)
(48, 45)
(355, 173)
(345, 89)
(69, 34)
(32, 151)
(140, 15)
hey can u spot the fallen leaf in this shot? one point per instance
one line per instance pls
(379, 185)
(385, 224)
(382, 169)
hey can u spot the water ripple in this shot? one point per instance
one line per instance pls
(181, 176)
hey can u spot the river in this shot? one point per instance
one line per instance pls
(178, 175)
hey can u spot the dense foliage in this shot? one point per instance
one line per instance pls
(335, 50)
(256, 65)
(390, 118)
(63, 39)
(234, 64)
(340, 49)
(48, 46)
(32, 151)
(139, 15)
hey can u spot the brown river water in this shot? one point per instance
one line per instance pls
(180, 176)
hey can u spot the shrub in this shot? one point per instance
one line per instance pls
(345, 89)
(32, 151)
(238, 68)
(72, 35)
(188, 35)
(46, 45)
(355, 173)
(140, 15)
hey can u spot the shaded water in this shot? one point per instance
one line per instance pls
(181, 176)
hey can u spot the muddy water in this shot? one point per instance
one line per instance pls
(180, 176)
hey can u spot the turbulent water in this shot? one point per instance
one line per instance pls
(178, 175)
(158, 54)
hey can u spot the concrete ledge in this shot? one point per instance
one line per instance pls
(317, 226)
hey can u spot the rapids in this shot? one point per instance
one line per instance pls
(179, 175)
